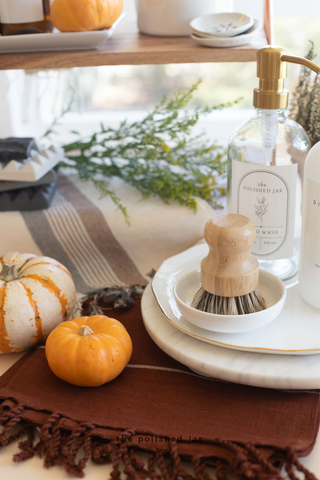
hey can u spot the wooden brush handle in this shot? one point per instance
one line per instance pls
(229, 270)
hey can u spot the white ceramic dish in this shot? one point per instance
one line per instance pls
(222, 24)
(225, 42)
(45, 42)
(33, 167)
(295, 332)
(245, 367)
(270, 287)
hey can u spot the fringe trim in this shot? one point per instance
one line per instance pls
(59, 446)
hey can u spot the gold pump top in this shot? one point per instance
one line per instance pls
(272, 70)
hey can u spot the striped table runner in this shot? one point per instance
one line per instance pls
(90, 237)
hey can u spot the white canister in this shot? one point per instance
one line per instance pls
(309, 272)
(170, 18)
(21, 11)
(25, 17)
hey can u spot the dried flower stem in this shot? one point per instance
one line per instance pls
(305, 108)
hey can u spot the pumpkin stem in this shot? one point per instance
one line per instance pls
(8, 273)
(85, 330)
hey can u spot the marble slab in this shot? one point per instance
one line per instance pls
(292, 372)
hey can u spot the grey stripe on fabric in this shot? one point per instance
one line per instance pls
(50, 245)
(96, 226)
(66, 223)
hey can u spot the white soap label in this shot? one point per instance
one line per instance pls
(311, 254)
(266, 195)
(21, 11)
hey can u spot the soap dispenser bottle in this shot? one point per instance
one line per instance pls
(265, 167)
(309, 271)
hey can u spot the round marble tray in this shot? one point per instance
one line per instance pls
(296, 331)
(256, 369)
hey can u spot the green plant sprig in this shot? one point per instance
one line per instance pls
(157, 155)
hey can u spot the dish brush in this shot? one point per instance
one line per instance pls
(229, 273)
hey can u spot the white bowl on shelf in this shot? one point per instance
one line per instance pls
(170, 18)
(271, 288)
(222, 24)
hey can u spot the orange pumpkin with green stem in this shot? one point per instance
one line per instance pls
(84, 15)
(88, 351)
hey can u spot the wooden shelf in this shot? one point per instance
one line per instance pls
(128, 47)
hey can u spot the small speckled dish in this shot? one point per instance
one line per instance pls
(222, 24)
(227, 42)
(270, 286)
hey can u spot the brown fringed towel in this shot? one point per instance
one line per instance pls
(158, 406)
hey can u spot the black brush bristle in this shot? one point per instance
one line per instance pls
(207, 302)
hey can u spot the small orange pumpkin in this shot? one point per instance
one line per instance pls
(84, 15)
(88, 351)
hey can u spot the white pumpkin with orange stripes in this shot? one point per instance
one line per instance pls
(36, 294)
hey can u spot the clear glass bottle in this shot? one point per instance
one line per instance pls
(266, 158)
(19, 17)
(265, 174)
